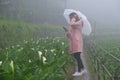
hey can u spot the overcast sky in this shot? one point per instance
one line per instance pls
(99, 11)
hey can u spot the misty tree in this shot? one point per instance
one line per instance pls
(9, 9)
(36, 11)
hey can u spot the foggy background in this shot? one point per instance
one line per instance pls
(100, 11)
(104, 15)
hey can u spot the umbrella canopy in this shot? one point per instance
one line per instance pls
(86, 27)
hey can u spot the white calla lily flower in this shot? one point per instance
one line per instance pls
(40, 54)
(63, 52)
(0, 63)
(44, 59)
(63, 43)
(30, 61)
(12, 65)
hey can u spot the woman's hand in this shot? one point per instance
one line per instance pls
(73, 22)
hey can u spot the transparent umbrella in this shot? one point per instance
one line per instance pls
(86, 27)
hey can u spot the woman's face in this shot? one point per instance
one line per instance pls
(73, 15)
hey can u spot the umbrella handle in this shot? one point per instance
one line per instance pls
(65, 29)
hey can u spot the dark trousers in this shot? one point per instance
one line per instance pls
(77, 56)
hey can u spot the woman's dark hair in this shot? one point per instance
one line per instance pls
(72, 15)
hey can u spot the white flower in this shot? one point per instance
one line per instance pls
(32, 49)
(29, 60)
(58, 40)
(44, 59)
(54, 54)
(37, 41)
(20, 49)
(18, 45)
(45, 50)
(0, 63)
(63, 52)
(12, 65)
(63, 43)
(40, 54)
(52, 50)
(13, 47)
(25, 41)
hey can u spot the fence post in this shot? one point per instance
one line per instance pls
(98, 69)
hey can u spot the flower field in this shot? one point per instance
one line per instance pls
(44, 59)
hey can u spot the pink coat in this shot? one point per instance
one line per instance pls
(75, 36)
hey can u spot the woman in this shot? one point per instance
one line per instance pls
(74, 35)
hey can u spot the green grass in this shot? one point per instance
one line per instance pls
(13, 32)
(102, 50)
